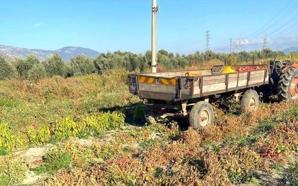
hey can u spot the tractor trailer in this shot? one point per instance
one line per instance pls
(191, 93)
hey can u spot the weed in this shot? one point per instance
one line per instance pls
(12, 171)
(54, 161)
(66, 128)
(7, 138)
(147, 144)
(39, 135)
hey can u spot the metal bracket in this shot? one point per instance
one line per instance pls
(155, 9)
(184, 110)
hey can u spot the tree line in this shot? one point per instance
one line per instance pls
(32, 68)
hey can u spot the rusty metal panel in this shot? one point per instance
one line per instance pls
(157, 96)
(157, 88)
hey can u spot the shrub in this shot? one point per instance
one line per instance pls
(23, 67)
(104, 122)
(6, 71)
(37, 72)
(55, 66)
(7, 139)
(66, 128)
(82, 65)
(40, 135)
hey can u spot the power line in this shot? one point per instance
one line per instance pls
(282, 14)
(284, 26)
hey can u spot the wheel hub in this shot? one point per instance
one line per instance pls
(204, 117)
(252, 104)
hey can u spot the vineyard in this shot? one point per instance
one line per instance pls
(89, 130)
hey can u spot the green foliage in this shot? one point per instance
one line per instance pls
(10, 140)
(82, 65)
(61, 130)
(55, 66)
(54, 161)
(37, 72)
(119, 60)
(6, 71)
(8, 102)
(30, 68)
(104, 122)
(7, 138)
(12, 171)
(39, 135)
(147, 144)
(24, 66)
(66, 128)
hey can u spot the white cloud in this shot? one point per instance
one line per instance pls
(245, 42)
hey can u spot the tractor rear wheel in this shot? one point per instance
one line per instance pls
(288, 85)
(250, 101)
(201, 115)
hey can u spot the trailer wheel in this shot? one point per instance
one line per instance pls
(201, 115)
(250, 101)
(288, 85)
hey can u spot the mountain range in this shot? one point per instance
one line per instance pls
(291, 49)
(66, 53)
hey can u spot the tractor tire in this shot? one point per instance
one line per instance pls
(201, 115)
(250, 101)
(288, 85)
(278, 68)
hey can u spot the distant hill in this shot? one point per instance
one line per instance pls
(66, 53)
(291, 49)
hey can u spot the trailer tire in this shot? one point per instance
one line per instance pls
(201, 115)
(288, 85)
(250, 101)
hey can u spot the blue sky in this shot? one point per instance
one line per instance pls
(109, 25)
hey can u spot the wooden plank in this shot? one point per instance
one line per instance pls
(242, 79)
(214, 80)
(214, 87)
(232, 81)
(196, 87)
(257, 77)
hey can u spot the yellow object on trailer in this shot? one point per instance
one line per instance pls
(228, 70)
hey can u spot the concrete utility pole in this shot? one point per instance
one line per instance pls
(154, 37)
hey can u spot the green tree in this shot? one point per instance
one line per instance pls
(6, 70)
(102, 63)
(82, 65)
(37, 72)
(55, 66)
(24, 66)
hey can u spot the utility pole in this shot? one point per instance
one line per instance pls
(154, 37)
(207, 40)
